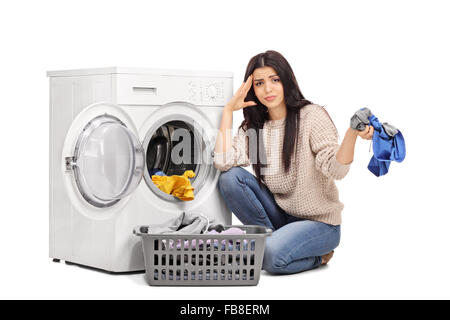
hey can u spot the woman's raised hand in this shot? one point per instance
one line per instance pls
(366, 134)
(237, 101)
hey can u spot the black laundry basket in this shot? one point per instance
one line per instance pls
(203, 259)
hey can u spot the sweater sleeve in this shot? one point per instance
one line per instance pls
(236, 156)
(324, 144)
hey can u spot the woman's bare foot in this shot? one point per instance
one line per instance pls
(327, 257)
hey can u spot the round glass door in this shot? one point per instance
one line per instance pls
(108, 162)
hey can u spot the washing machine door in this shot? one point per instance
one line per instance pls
(108, 162)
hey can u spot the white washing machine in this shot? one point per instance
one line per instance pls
(109, 129)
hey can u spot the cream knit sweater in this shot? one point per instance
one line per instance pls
(308, 189)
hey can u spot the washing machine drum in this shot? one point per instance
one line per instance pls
(163, 143)
(109, 161)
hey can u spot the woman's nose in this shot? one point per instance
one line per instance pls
(268, 87)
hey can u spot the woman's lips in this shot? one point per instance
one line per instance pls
(270, 98)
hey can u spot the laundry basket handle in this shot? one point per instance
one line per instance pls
(138, 230)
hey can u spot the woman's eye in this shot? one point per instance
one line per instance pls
(257, 84)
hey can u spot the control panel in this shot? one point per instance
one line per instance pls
(206, 91)
(213, 92)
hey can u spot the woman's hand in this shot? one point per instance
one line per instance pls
(237, 101)
(366, 134)
(347, 149)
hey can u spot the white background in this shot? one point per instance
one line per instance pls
(390, 56)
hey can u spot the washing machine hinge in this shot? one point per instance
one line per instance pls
(71, 163)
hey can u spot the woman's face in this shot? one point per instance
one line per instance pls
(268, 88)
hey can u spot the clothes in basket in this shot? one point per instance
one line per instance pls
(185, 223)
(223, 243)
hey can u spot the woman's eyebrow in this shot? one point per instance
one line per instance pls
(274, 75)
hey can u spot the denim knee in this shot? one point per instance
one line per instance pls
(229, 179)
(272, 262)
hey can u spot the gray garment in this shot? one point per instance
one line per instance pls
(361, 118)
(389, 129)
(186, 223)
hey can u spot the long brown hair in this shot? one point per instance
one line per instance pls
(255, 116)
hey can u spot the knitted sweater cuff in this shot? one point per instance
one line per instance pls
(338, 169)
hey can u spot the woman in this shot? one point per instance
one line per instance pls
(293, 147)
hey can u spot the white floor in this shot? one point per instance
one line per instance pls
(343, 278)
(384, 270)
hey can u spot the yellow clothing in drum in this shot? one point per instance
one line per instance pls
(178, 186)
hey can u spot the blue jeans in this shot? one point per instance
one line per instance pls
(295, 244)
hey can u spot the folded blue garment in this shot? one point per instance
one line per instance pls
(385, 148)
